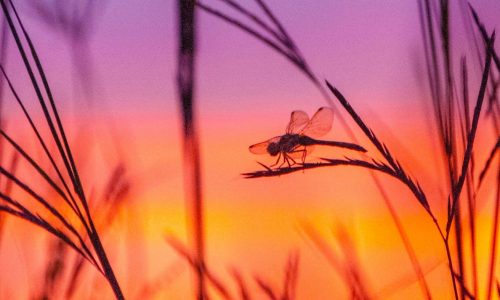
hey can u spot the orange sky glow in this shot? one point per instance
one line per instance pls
(245, 94)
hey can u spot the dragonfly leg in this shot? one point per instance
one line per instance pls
(287, 159)
(304, 154)
(277, 161)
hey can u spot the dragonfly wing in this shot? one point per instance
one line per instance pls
(320, 124)
(298, 119)
(261, 148)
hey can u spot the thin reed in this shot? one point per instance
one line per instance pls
(277, 38)
(192, 161)
(446, 111)
(87, 242)
(461, 106)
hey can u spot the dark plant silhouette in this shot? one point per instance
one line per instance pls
(75, 198)
(185, 85)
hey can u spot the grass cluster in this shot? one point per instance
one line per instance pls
(72, 219)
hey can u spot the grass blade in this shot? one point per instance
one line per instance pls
(472, 134)
(192, 160)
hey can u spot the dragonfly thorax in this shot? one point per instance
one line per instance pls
(301, 134)
(286, 144)
(273, 149)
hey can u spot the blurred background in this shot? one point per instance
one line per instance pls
(111, 65)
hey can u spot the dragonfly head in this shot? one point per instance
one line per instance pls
(273, 149)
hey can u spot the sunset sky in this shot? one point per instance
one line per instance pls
(370, 50)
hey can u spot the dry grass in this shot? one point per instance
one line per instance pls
(447, 114)
(70, 218)
(86, 242)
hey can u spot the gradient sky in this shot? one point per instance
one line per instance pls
(370, 50)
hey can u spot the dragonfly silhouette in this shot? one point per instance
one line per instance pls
(300, 138)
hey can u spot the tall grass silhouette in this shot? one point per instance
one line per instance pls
(87, 243)
(186, 81)
(72, 220)
(449, 115)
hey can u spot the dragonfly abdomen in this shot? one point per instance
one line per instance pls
(308, 141)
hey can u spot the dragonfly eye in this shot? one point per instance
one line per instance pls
(273, 149)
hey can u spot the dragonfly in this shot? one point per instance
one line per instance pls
(300, 138)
